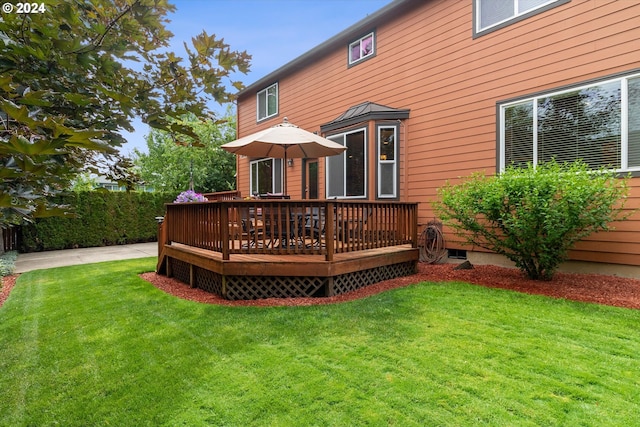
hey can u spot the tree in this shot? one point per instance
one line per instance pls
(84, 182)
(534, 215)
(173, 162)
(73, 78)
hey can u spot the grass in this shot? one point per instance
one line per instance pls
(96, 345)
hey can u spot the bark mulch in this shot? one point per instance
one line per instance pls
(6, 284)
(593, 288)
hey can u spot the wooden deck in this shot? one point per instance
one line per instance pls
(193, 249)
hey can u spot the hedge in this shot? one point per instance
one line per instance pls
(101, 218)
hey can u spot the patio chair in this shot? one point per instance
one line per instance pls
(352, 228)
(249, 229)
(277, 225)
(314, 227)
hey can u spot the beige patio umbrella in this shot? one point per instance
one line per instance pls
(284, 141)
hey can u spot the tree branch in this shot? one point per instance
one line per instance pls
(98, 40)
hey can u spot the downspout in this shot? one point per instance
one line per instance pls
(404, 147)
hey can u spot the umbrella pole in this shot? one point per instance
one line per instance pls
(284, 191)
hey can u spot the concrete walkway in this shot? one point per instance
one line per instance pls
(49, 259)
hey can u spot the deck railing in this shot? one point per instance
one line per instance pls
(223, 195)
(277, 227)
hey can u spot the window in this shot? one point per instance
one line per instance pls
(266, 176)
(347, 172)
(457, 253)
(597, 123)
(387, 161)
(362, 48)
(267, 102)
(492, 13)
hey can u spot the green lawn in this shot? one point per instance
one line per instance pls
(95, 345)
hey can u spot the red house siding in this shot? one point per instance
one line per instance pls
(427, 61)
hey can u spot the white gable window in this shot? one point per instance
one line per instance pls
(267, 102)
(598, 123)
(493, 13)
(362, 48)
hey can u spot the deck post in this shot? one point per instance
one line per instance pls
(224, 226)
(414, 226)
(329, 231)
(223, 289)
(329, 285)
(162, 240)
(162, 234)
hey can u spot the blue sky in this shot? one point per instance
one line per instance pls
(274, 32)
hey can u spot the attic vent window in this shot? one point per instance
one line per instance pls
(362, 48)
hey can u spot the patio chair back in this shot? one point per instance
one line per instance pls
(352, 226)
(277, 223)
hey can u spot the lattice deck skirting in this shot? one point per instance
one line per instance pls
(359, 279)
(259, 287)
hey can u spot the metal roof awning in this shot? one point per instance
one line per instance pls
(363, 113)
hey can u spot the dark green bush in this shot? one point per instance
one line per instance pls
(101, 218)
(533, 216)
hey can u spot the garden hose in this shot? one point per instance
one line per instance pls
(431, 243)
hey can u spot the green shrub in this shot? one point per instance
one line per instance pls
(101, 218)
(8, 263)
(533, 215)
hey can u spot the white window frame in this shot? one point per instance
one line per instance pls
(624, 120)
(381, 162)
(274, 180)
(266, 93)
(344, 165)
(516, 16)
(359, 43)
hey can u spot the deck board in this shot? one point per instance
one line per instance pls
(291, 265)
